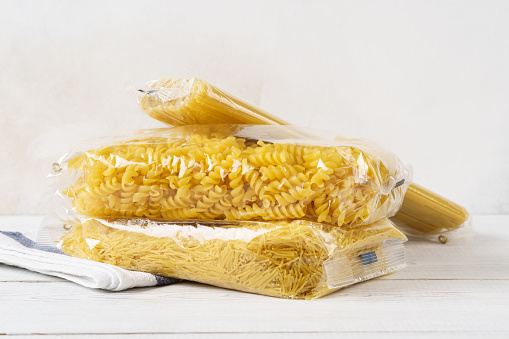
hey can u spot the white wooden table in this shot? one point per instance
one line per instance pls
(452, 290)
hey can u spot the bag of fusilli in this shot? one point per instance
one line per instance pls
(289, 259)
(187, 101)
(233, 172)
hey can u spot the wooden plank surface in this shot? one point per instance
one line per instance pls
(292, 335)
(384, 305)
(453, 290)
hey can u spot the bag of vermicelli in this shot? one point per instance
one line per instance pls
(297, 259)
(233, 172)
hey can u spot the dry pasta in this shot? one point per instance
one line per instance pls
(426, 214)
(190, 101)
(297, 260)
(193, 101)
(194, 173)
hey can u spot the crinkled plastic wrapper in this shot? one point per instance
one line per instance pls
(427, 215)
(424, 214)
(179, 102)
(233, 172)
(297, 259)
(462, 233)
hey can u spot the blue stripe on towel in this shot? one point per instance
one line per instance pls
(20, 238)
(165, 280)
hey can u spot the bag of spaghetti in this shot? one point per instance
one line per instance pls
(424, 214)
(427, 215)
(289, 259)
(233, 172)
(190, 101)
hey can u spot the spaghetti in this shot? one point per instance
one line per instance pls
(192, 101)
(427, 214)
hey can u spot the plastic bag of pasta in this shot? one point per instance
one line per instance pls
(427, 215)
(192, 101)
(296, 259)
(233, 172)
(424, 214)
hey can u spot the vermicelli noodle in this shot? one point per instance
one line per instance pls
(297, 260)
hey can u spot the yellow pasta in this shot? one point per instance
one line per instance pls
(192, 101)
(297, 260)
(425, 212)
(193, 173)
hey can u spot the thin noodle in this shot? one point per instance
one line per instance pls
(283, 259)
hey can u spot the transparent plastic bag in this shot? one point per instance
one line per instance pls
(427, 215)
(297, 260)
(460, 234)
(192, 101)
(424, 214)
(233, 172)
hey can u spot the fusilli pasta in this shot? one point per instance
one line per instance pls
(195, 175)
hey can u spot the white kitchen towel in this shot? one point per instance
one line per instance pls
(19, 249)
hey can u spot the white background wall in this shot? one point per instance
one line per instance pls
(426, 79)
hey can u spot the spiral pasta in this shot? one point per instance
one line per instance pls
(191, 175)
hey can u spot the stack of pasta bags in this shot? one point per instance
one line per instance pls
(231, 197)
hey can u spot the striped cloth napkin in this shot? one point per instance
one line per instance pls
(19, 249)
